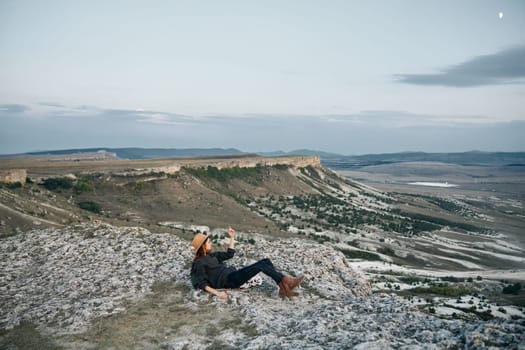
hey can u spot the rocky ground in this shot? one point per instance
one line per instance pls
(67, 282)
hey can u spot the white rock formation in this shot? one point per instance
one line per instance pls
(61, 279)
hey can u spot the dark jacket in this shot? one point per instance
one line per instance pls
(210, 271)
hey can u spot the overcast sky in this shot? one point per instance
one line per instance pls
(350, 77)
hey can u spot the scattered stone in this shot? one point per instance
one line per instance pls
(69, 276)
(62, 279)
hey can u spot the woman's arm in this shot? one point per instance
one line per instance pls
(231, 233)
(199, 279)
(215, 292)
(221, 256)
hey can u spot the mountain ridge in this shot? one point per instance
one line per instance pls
(335, 160)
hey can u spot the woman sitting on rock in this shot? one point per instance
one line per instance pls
(208, 271)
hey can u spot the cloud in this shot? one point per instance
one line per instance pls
(14, 108)
(164, 118)
(142, 117)
(504, 67)
(401, 119)
(359, 133)
(52, 104)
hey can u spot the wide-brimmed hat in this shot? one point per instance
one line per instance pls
(198, 240)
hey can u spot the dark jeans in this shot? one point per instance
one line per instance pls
(241, 276)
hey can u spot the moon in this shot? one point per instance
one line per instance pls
(500, 15)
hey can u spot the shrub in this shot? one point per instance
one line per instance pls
(83, 186)
(512, 289)
(410, 279)
(386, 251)
(281, 166)
(90, 206)
(136, 186)
(14, 185)
(452, 279)
(446, 291)
(226, 174)
(57, 183)
(358, 254)
(421, 222)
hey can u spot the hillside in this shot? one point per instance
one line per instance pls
(119, 231)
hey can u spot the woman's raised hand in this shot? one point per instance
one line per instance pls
(231, 232)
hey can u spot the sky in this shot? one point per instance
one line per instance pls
(351, 77)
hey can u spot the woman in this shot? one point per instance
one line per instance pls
(209, 273)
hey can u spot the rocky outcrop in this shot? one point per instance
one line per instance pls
(251, 162)
(103, 163)
(62, 279)
(242, 162)
(69, 276)
(13, 176)
(174, 166)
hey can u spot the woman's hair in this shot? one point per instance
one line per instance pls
(201, 251)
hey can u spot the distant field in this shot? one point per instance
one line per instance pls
(483, 178)
(497, 192)
(494, 159)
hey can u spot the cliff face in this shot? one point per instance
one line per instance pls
(294, 161)
(42, 168)
(221, 163)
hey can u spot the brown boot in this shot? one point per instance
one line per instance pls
(284, 291)
(291, 283)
